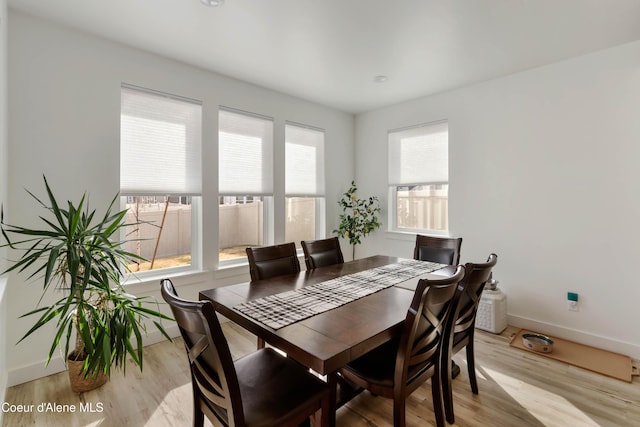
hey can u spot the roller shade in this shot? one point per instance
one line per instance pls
(419, 155)
(245, 149)
(160, 144)
(304, 161)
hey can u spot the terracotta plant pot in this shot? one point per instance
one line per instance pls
(80, 383)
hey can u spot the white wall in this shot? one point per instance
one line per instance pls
(4, 176)
(64, 99)
(544, 171)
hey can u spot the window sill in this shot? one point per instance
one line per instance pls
(150, 281)
(411, 235)
(233, 268)
(241, 266)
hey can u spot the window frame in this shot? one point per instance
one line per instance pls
(320, 175)
(267, 198)
(320, 216)
(267, 232)
(196, 200)
(393, 188)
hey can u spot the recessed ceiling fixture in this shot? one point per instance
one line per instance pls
(212, 3)
(380, 79)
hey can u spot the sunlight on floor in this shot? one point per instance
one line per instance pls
(549, 408)
(177, 405)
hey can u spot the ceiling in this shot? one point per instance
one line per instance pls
(328, 51)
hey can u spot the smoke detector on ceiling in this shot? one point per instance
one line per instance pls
(212, 3)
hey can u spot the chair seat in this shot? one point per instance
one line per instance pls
(282, 379)
(377, 367)
(459, 338)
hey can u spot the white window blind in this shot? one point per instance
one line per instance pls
(304, 161)
(160, 144)
(245, 154)
(419, 155)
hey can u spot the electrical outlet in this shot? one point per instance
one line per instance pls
(572, 301)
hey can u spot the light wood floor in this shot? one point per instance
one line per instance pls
(517, 388)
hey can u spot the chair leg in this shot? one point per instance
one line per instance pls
(198, 415)
(399, 414)
(436, 393)
(455, 370)
(447, 391)
(471, 364)
(260, 343)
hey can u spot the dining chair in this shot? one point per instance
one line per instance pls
(266, 262)
(262, 389)
(461, 327)
(319, 253)
(270, 261)
(397, 368)
(443, 250)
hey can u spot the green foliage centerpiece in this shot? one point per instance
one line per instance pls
(359, 217)
(81, 254)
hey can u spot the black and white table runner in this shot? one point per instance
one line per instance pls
(277, 311)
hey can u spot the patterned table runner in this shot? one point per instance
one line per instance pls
(279, 310)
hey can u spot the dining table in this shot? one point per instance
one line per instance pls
(329, 340)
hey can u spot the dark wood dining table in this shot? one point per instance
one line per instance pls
(327, 341)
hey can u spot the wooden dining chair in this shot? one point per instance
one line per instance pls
(397, 368)
(319, 253)
(270, 261)
(266, 262)
(444, 250)
(461, 327)
(261, 389)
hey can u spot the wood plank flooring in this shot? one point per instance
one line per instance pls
(516, 389)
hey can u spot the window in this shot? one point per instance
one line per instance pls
(304, 183)
(419, 178)
(245, 179)
(160, 176)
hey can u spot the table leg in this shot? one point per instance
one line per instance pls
(332, 381)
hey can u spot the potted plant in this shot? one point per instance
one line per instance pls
(80, 255)
(359, 217)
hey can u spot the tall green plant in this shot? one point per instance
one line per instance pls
(80, 254)
(359, 217)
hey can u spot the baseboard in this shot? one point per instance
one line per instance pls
(3, 393)
(37, 370)
(626, 348)
(3, 345)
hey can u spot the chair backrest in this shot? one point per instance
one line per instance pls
(468, 295)
(424, 329)
(271, 261)
(318, 253)
(444, 250)
(213, 373)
